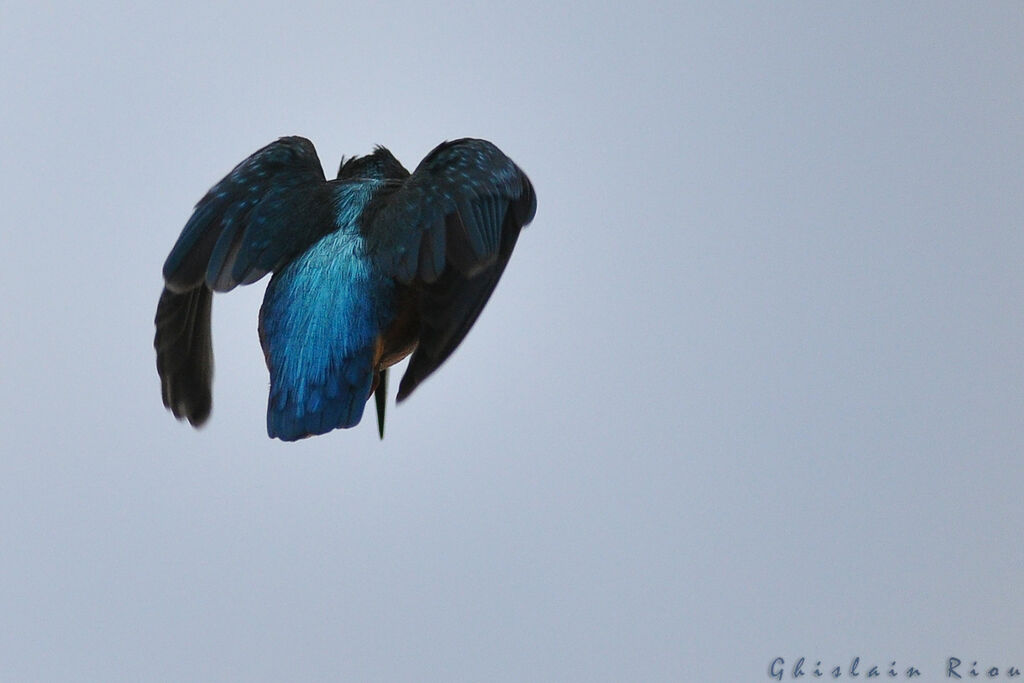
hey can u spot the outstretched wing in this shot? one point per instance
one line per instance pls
(269, 209)
(448, 231)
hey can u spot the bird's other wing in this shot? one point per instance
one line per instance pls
(448, 231)
(269, 209)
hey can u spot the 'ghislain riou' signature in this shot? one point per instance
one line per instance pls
(954, 669)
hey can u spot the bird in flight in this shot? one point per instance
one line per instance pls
(368, 268)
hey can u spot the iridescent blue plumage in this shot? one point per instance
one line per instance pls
(368, 268)
(319, 323)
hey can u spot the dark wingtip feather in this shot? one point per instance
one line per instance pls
(184, 353)
(410, 380)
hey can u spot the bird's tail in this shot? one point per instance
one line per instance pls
(184, 352)
(318, 327)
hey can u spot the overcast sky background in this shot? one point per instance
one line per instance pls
(751, 386)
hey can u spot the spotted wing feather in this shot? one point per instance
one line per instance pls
(269, 209)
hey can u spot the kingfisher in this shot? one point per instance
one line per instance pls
(367, 268)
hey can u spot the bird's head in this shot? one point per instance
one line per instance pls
(381, 165)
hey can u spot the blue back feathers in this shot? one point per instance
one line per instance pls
(319, 323)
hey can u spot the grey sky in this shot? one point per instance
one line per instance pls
(752, 385)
